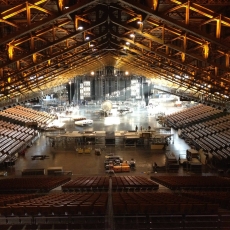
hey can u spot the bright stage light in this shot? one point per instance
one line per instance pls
(56, 124)
(111, 121)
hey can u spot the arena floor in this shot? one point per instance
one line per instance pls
(66, 156)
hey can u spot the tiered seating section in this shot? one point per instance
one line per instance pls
(133, 210)
(220, 198)
(58, 204)
(159, 204)
(191, 115)
(212, 136)
(22, 115)
(31, 184)
(95, 209)
(193, 182)
(15, 133)
(6, 199)
(13, 138)
(205, 128)
(133, 183)
(63, 210)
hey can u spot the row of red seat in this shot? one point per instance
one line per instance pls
(11, 126)
(29, 184)
(118, 183)
(87, 183)
(13, 139)
(59, 204)
(97, 225)
(22, 121)
(137, 182)
(15, 198)
(139, 210)
(159, 203)
(212, 136)
(51, 116)
(191, 115)
(10, 129)
(25, 115)
(95, 203)
(13, 118)
(220, 198)
(34, 115)
(193, 182)
(8, 144)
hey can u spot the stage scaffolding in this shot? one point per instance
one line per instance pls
(160, 136)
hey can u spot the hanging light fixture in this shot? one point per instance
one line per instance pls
(91, 44)
(132, 35)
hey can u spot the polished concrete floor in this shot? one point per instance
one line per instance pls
(66, 156)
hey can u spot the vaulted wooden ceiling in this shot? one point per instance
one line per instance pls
(185, 44)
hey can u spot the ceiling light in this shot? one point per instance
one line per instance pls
(126, 73)
(80, 28)
(127, 43)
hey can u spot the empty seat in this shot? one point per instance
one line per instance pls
(119, 208)
(58, 209)
(172, 209)
(85, 209)
(18, 210)
(99, 209)
(185, 209)
(5, 211)
(132, 208)
(45, 210)
(31, 210)
(72, 209)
